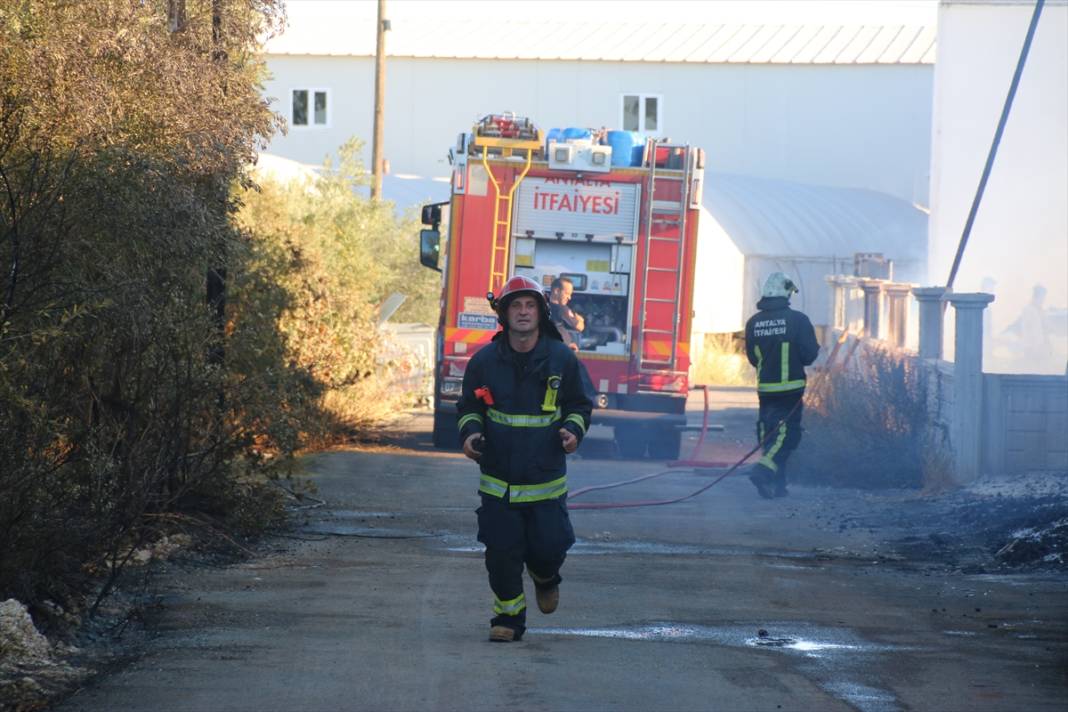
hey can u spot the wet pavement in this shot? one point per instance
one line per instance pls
(829, 655)
(378, 600)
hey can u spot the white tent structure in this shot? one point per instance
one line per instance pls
(404, 191)
(751, 227)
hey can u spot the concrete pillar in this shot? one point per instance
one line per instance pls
(838, 297)
(931, 309)
(898, 320)
(968, 383)
(873, 306)
(832, 286)
(852, 316)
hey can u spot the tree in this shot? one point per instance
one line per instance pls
(122, 127)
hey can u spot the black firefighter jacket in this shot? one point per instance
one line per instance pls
(520, 413)
(780, 342)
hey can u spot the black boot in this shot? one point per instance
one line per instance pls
(761, 478)
(779, 481)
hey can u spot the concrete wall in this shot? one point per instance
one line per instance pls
(1020, 237)
(1025, 421)
(865, 126)
(407, 357)
(986, 424)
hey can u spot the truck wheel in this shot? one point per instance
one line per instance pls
(631, 441)
(665, 443)
(445, 436)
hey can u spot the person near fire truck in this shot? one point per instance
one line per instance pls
(779, 342)
(525, 404)
(567, 321)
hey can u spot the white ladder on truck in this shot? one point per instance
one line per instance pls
(661, 214)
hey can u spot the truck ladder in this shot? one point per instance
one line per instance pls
(502, 222)
(666, 226)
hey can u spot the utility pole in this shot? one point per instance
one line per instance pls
(380, 97)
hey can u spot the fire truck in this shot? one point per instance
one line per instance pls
(614, 213)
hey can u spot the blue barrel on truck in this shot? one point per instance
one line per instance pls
(627, 147)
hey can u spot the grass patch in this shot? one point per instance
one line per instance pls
(721, 361)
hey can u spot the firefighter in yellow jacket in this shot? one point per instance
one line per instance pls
(525, 404)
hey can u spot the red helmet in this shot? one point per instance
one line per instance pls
(520, 285)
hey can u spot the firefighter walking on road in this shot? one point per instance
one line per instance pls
(779, 342)
(525, 404)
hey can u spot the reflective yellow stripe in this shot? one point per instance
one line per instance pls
(784, 373)
(766, 461)
(521, 420)
(779, 387)
(523, 493)
(537, 493)
(492, 486)
(469, 418)
(577, 420)
(510, 608)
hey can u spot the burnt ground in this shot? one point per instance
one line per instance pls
(1009, 526)
(1015, 523)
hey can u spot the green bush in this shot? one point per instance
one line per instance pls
(322, 258)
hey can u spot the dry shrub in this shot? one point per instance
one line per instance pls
(722, 362)
(865, 423)
(937, 464)
(117, 416)
(129, 406)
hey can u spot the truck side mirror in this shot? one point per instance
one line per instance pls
(429, 248)
(432, 214)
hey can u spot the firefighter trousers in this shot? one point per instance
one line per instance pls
(537, 535)
(786, 408)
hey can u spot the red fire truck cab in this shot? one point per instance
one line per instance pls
(618, 219)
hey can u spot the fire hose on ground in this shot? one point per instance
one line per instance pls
(693, 463)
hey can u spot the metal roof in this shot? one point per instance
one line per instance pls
(761, 216)
(404, 191)
(696, 43)
(776, 218)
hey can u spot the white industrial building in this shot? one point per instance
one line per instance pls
(1020, 236)
(816, 126)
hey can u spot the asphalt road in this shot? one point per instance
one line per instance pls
(380, 602)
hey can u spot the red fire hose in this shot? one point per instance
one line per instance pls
(693, 463)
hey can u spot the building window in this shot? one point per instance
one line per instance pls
(643, 113)
(311, 107)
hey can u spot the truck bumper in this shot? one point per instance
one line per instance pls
(611, 416)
